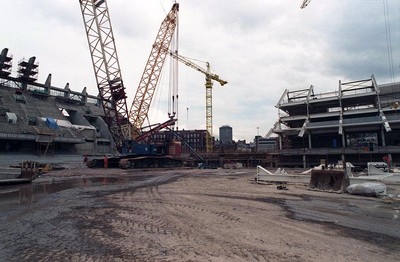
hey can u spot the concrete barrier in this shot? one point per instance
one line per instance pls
(263, 175)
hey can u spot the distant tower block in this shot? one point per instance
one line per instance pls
(5, 63)
(225, 134)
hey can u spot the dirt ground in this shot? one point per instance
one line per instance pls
(190, 215)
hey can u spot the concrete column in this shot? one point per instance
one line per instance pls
(67, 91)
(84, 95)
(383, 136)
(47, 85)
(343, 139)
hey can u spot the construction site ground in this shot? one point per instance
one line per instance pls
(82, 214)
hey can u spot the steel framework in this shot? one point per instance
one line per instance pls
(106, 67)
(138, 112)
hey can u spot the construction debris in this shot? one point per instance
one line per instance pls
(28, 172)
(282, 187)
(379, 173)
(40, 167)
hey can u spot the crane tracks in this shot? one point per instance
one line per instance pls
(173, 216)
(177, 218)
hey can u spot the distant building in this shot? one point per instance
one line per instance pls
(264, 144)
(242, 146)
(225, 135)
(194, 138)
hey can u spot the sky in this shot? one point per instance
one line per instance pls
(261, 47)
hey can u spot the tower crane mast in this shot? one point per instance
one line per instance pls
(106, 67)
(209, 77)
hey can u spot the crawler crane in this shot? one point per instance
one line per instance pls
(125, 127)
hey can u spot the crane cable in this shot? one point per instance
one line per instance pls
(173, 77)
(176, 72)
(388, 39)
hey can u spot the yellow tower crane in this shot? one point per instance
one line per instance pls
(209, 77)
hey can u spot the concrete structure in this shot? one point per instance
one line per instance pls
(358, 123)
(41, 119)
(225, 135)
(280, 176)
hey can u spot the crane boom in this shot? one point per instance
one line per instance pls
(106, 67)
(209, 76)
(305, 3)
(145, 91)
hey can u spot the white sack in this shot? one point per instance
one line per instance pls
(368, 189)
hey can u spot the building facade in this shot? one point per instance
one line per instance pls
(264, 144)
(196, 139)
(357, 123)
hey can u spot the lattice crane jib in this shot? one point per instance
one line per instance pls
(138, 112)
(305, 3)
(106, 67)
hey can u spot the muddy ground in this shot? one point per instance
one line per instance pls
(190, 215)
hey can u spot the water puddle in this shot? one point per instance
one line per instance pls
(12, 196)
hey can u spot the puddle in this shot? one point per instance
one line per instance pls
(25, 194)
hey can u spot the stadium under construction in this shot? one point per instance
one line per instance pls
(44, 120)
(358, 123)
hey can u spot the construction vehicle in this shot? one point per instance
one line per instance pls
(125, 127)
(209, 77)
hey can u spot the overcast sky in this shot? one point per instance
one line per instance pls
(261, 47)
